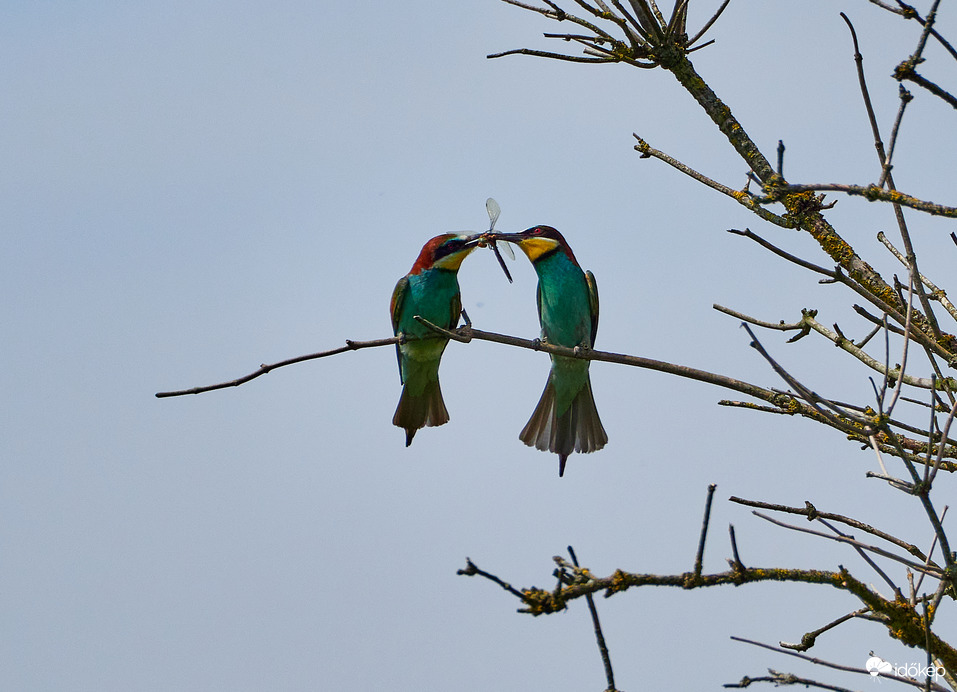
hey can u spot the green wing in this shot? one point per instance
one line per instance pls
(456, 308)
(398, 300)
(592, 304)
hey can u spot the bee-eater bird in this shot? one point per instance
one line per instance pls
(565, 419)
(430, 290)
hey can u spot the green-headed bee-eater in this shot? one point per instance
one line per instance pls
(565, 419)
(430, 290)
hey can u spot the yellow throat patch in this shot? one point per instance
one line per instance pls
(536, 247)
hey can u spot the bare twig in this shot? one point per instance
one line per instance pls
(936, 292)
(808, 323)
(916, 566)
(263, 369)
(839, 276)
(472, 570)
(901, 377)
(699, 556)
(736, 564)
(743, 197)
(905, 71)
(886, 176)
(867, 558)
(835, 666)
(908, 12)
(810, 638)
(844, 420)
(779, 679)
(812, 513)
(905, 98)
(694, 39)
(599, 637)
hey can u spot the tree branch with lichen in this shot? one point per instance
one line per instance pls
(902, 621)
(667, 47)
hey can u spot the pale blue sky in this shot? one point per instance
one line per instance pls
(193, 188)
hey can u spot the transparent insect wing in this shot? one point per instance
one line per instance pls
(494, 211)
(491, 206)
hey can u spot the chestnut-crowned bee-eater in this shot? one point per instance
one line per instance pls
(565, 419)
(430, 290)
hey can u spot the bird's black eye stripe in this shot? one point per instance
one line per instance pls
(449, 247)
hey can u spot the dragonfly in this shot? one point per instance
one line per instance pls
(494, 211)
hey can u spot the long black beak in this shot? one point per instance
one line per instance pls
(473, 240)
(509, 237)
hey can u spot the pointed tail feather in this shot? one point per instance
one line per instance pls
(419, 410)
(562, 458)
(578, 429)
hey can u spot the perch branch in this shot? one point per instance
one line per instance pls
(466, 333)
(263, 369)
(783, 402)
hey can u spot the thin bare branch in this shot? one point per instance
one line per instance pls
(472, 570)
(779, 679)
(838, 276)
(546, 54)
(263, 369)
(916, 566)
(744, 198)
(708, 24)
(936, 292)
(905, 98)
(901, 377)
(838, 666)
(905, 71)
(599, 637)
(812, 513)
(867, 558)
(844, 420)
(887, 177)
(780, 326)
(908, 12)
(699, 556)
(810, 638)
(808, 323)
